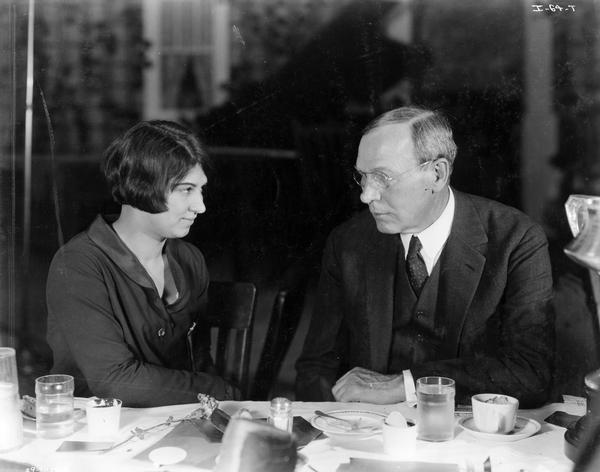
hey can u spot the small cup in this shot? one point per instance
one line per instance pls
(103, 416)
(494, 413)
(400, 441)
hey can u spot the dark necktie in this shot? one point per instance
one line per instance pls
(415, 266)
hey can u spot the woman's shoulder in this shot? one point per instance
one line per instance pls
(84, 243)
(79, 250)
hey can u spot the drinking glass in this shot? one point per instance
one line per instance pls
(583, 213)
(11, 424)
(435, 408)
(54, 406)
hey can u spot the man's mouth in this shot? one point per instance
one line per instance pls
(378, 214)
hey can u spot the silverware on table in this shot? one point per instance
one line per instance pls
(351, 424)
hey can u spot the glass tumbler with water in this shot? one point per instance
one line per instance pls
(54, 406)
(435, 408)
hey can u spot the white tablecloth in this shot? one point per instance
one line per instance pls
(543, 452)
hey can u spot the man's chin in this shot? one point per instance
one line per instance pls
(385, 227)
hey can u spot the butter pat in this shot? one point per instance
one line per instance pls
(28, 406)
(397, 419)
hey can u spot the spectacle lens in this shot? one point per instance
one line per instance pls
(378, 180)
(359, 178)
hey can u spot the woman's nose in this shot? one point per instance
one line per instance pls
(198, 205)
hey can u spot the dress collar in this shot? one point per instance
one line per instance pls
(106, 238)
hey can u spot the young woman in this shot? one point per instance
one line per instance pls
(125, 297)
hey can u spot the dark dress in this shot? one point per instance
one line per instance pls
(109, 328)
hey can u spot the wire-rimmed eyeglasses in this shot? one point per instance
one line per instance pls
(380, 180)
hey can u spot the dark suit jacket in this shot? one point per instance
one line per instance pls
(494, 292)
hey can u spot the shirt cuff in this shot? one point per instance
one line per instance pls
(409, 388)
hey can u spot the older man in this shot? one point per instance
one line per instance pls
(428, 281)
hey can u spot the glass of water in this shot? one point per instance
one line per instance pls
(435, 408)
(54, 406)
(11, 422)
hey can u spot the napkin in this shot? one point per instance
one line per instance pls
(372, 465)
(202, 440)
(199, 438)
(504, 459)
(84, 446)
(562, 419)
(11, 466)
(304, 431)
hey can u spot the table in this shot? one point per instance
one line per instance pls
(542, 452)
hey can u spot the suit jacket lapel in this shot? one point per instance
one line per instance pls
(380, 268)
(462, 262)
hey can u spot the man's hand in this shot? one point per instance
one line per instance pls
(363, 385)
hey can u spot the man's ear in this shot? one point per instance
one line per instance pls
(441, 169)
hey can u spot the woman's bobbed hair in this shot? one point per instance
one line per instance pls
(146, 162)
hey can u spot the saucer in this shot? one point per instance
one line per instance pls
(524, 427)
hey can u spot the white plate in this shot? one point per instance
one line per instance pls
(78, 412)
(524, 427)
(368, 422)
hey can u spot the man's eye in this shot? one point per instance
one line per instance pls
(187, 189)
(380, 177)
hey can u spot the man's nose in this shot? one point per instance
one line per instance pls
(369, 194)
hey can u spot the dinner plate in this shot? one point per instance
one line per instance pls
(524, 427)
(368, 423)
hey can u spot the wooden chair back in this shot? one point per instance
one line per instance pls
(285, 317)
(231, 309)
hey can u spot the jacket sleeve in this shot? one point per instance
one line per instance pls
(319, 364)
(511, 352)
(83, 328)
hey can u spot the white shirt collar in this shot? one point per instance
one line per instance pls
(434, 237)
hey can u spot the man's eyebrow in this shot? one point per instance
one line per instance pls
(381, 170)
(375, 169)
